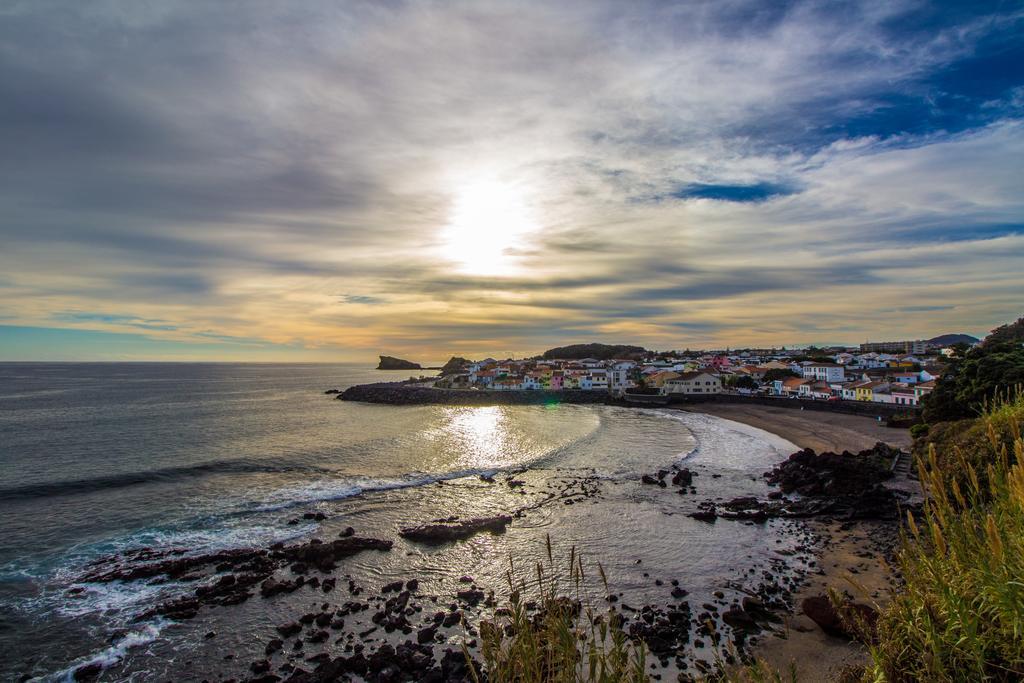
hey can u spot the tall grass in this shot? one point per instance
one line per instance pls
(960, 615)
(560, 637)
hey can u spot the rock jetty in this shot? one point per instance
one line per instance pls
(394, 393)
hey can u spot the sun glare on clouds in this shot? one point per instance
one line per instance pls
(488, 222)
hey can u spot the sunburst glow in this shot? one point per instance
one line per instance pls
(489, 223)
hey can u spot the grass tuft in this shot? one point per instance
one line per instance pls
(560, 637)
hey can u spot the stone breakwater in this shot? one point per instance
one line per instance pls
(406, 394)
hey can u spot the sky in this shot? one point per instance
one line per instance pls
(329, 181)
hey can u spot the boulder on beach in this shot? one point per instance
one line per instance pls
(851, 620)
(683, 477)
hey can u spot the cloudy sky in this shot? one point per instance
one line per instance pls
(332, 180)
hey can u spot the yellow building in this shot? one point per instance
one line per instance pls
(866, 391)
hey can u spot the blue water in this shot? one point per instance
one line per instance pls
(100, 458)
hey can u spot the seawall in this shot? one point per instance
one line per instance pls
(405, 394)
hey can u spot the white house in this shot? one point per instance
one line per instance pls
(883, 396)
(903, 395)
(531, 382)
(824, 372)
(619, 380)
(844, 358)
(507, 384)
(693, 383)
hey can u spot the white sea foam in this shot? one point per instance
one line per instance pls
(326, 490)
(110, 656)
(732, 443)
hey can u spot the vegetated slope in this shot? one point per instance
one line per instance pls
(595, 350)
(959, 615)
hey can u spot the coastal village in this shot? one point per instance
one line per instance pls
(899, 373)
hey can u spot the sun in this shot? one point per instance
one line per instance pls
(488, 222)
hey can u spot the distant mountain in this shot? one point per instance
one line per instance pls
(599, 351)
(950, 339)
(392, 363)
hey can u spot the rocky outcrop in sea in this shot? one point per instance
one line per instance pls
(392, 363)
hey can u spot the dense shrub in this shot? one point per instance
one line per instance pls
(918, 430)
(978, 376)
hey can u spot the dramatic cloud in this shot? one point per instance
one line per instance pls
(326, 180)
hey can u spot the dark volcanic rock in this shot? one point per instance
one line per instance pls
(683, 477)
(473, 597)
(852, 620)
(231, 575)
(392, 363)
(842, 486)
(810, 474)
(705, 515)
(846, 485)
(88, 672)
(289, 629)
(451, 531)
(663, 631)
(397, 393)
(739, 619)
(323, 556)
(454, 365)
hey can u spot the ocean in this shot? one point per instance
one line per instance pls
(104, 459)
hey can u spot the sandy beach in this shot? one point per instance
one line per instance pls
(853, 559)
(822, 431)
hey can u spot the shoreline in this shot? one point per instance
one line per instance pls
(774, 575)
(853, 558)
(818, 430)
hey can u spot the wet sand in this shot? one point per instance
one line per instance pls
(850, 563)
(853, 558)
(822, 431)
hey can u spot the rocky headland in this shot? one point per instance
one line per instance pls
(392, 363)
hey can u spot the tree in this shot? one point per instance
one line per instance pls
(778, 373)
(974, 379)
(1009, 333)
(744, 382)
